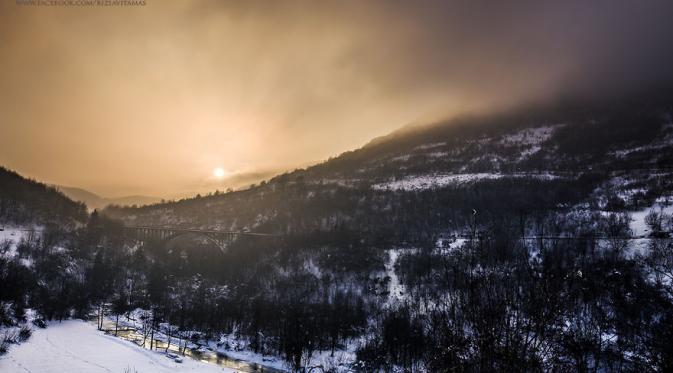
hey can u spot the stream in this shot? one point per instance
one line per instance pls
(204, 354)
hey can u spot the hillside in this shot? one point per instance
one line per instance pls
(534, 240)
(94, 201)
(24, 201)
(420, 183)
(497, 243)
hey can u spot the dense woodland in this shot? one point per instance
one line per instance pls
(495, 304)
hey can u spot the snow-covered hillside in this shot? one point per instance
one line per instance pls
(439, 181)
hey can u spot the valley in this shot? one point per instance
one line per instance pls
(448, 246)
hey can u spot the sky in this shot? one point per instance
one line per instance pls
(153, 99)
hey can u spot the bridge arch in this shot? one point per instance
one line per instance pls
(221, 244)
(220, 238)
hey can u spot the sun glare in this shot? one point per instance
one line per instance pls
(219, 172)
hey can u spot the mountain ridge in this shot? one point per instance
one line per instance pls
(95, 201)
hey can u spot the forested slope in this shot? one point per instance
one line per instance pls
(24, 201)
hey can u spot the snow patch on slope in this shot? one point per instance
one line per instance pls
(448, 245)
(430, 146)
(395, 287)
(531, 136)
(423, 182)
(638, 226)
(11, 236)
(662, 143)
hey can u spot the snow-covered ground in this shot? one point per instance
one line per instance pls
(430, 146)
(448, 245)
(640, 229)
(638, 226)
(637, 223)
(531, 136)
(239, 349)
(422, 182)
(661, 143)
(76, 346)
(530, 139)
(395, 288)
(11, 236)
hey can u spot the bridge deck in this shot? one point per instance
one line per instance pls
(195, 230)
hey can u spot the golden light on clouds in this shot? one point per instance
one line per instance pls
(148, 100)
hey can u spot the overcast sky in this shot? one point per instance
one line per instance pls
(151, 99)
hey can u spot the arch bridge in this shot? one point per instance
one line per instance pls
(220, 238)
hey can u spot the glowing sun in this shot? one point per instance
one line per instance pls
(219, 172)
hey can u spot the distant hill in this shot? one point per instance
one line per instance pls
(26, 201)
(94, 201)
